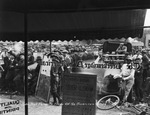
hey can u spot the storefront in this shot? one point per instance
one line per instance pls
(41, 21)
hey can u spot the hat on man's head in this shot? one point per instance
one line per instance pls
(65, 51)
(129, 58)
(38, 58)
(21, 54)
(143, 51)
(55, 50)
(4, 48)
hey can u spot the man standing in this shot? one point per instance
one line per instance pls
(10, 75)
(127, 74)
(67, 61)
(19, 78)
(145, 64)
(30, 58)
(34, 73)
(137, 55)
(138, 81)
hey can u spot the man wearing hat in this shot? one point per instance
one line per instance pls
(10, 75)
(137, 55)
(20, 72)
(127, 74)
(4, 52)
(5, 57)
(30, 58)
(145, 64)
(67, 61)
(138, 80)
(122, 48)
(34, 73)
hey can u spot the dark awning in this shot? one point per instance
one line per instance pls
(64, 19)
(73, 25)
(71, 5)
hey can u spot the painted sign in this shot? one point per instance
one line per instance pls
(43, 84)
(79, 94)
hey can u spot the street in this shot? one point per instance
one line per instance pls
(37, 107)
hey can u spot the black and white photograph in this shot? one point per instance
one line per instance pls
(74, 57)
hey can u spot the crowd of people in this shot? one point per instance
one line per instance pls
(12, 78)
(142, 75)
(13, 73)
(135, 74)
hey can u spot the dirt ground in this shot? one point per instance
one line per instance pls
(37, 107)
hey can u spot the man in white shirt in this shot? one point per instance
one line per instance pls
(121, 49)
(127, 74)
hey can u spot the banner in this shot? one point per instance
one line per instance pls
(99, 69)
(43, 84)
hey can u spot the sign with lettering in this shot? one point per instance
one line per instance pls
(46, 66)
(90, 67)
(9, 107)
(100, 65)
(43, 84)
(79, 94)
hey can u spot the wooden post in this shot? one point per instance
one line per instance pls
(50, 46)
(26, 62)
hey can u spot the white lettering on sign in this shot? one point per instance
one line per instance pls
(93, 65)
(104, 65)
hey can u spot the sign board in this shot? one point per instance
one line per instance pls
(101, 73)
(97, 71)
(43, 84)
(79, 94)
